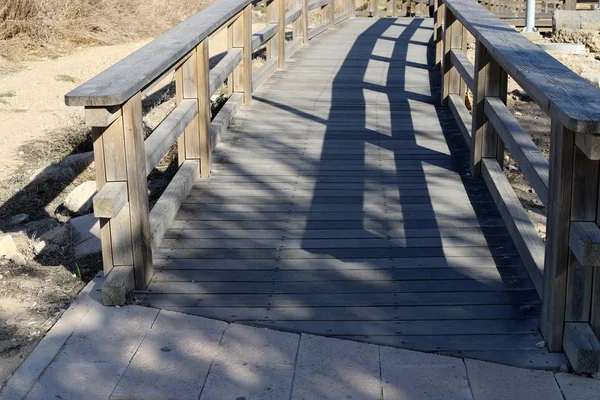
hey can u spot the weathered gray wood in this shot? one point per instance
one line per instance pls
(518, 223)
(293, 15)
(317, 30)
(165, 209)
(261, 37)
(137, 187)
(292, 47)
(530, 158)
(582, 347)
(124, 79)
(554, 87)
(342, 17)
(261, 75)
(224, 117)
(464, 67)
(110, 199)
(168, 131)
(313, 5)
(589, 144)
(118, 286)
(101, 116)
(584, 241)
(556, 262)
(220, 72)
(461, 115)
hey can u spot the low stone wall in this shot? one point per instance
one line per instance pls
(581, 19)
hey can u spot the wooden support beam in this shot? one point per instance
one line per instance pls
(298, 30)
(101, 117)
(137, 186)
(438, 32)
(585, 243)
(562, 145)
(589, 144)
(118, 286)
(110, 199)
(305, 12)
(280, 34)
(582, 347)
(203, 82)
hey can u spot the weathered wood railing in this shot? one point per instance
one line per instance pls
(566, 269)
(113, 108)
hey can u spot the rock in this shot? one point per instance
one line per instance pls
(60, 235)
(7, 246)
(17, 258)
(78, 161)
(52, 173)
(18, 219)
(521, 95)
(540, 345)
(87, 235)
(518, 113)
(79, 201)
(564, 368)
(45, 247)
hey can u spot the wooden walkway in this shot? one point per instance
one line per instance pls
(340, 204)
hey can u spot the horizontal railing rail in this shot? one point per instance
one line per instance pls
(565, 269)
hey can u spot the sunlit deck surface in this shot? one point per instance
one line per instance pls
(340, 204)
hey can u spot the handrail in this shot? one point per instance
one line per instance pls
(553, 86)
(564, 269)
(120, 82)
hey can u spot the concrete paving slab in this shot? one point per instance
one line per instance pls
(409, 375)
(498, 382)
(68, 380)
(576, 387)
(109, 334)
(173, 360)
(253, 363)
(30, 370)
(336, 369)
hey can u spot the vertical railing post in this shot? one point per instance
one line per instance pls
(298, 30)
(352, 8)
(242, 38)
(305, 20)
(438, 32)
(280, 33)
(203, 90)
(453, 37)
(556, 263)
(272, 18)
(373, 8)
(490, 81)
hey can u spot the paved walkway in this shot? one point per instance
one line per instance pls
(134, 352)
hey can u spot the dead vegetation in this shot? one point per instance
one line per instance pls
(53, 27)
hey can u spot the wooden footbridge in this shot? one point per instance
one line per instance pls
(344, 189)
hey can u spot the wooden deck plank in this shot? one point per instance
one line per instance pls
(340, 204)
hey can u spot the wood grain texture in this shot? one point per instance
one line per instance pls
(582, 347)
(110, 199)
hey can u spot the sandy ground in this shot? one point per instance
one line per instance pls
(32, 99)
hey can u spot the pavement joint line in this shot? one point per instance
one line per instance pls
(295, 365)
(214, 358)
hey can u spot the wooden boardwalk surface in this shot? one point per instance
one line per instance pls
(340, 204)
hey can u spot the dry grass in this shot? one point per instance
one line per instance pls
(50, 27)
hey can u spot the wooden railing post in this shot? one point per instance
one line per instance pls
(373, 8)
(272, 18)
(280, 34)
(352, 8)
(562, 145)
(305, 20)
(438, 32)
(490, 81)
(242, 38)
(453, 37)
(203, 71)
(124, 229)
(298, 30)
